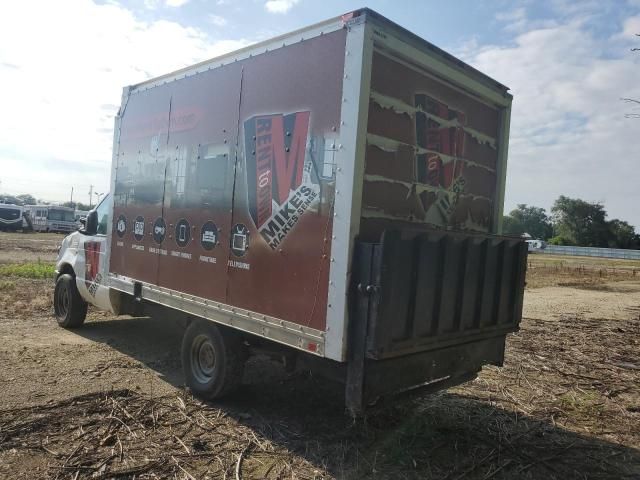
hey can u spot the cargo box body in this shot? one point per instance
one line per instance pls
(254, 189)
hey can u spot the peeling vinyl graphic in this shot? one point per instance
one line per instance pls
(438, 130)
(400, 107)
(431, 154)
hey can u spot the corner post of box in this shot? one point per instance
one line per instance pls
(501, 166)
(349, 179)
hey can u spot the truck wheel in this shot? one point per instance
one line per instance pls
(69, 307)
(213, 359)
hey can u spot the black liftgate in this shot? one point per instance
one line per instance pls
(429, 308)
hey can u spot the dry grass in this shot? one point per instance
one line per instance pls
(565, 405)
(579, 272)
(121, 434)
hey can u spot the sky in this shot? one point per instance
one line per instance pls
(568, 64)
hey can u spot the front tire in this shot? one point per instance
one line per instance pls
(69, 307)
(213, 359)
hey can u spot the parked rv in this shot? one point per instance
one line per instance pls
(11, 217)
(52, 218)
(334, 195)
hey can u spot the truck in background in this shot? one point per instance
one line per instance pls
(52, 218)
(333, 195)
(535, 246)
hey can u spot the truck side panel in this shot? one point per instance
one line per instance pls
(290, 113)
(225, 181)
(139, 184)
(199, 182)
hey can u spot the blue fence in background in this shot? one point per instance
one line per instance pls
(592, 252)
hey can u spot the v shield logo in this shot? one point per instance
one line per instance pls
(275, 147)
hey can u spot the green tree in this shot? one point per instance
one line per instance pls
(27, 199)
(528, 219)
(623, 235)
(581, 222)
(77, 205)
(6, 198)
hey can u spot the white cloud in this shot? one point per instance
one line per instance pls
(62, 80)
(175, 3)
(631, 28)
(217, 20)
(514, 19)
(568, 132)
(279, 6)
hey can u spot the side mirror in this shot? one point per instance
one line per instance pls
(91, 223)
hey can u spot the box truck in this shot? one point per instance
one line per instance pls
(333, 195)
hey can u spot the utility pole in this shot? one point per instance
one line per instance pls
(72, 196)
(90, 195)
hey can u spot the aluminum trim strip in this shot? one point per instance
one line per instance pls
(349, 181)
(501, 180)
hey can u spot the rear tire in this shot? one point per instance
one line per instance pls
(69, 307)
(213, 359)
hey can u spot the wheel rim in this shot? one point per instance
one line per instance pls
(203, 359)
(62, 301)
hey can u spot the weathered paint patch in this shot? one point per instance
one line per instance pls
(398, 106)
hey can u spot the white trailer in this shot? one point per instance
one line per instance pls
(52, 218)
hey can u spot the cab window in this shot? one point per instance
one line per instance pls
(103, 216)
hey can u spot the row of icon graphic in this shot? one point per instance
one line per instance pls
(209, 233)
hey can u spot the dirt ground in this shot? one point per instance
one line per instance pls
(106, 401)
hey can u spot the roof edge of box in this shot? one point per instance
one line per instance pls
(358, 15)
(419, 42)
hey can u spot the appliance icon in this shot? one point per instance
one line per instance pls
(138, 228)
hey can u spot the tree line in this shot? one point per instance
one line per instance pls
(27, 199)
(572, 222)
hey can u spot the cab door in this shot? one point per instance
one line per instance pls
(91, 272)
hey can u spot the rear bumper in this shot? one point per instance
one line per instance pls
(385, 377)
